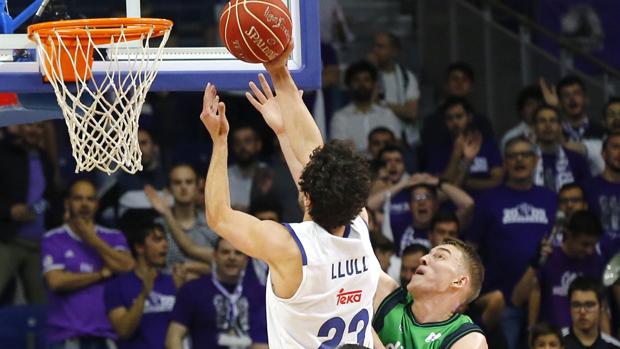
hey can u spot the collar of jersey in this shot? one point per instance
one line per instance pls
(429, 324)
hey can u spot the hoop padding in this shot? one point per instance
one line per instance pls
(102, 114)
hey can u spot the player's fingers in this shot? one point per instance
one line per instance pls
(265, 85)
(206, 97)
(257, 92)
(253, 101)
(221, 108)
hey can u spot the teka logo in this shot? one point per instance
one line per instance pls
(348, 297)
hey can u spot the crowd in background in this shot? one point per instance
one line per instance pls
(131, 260)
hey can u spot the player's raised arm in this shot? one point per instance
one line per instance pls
(266, 240)
(265, 102)
(299, 125)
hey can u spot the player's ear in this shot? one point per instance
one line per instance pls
(461, 282)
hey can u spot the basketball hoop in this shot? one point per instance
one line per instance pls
(101, 113)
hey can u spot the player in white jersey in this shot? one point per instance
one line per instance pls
(323, 273)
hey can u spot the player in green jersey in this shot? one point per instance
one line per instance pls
(424, 316)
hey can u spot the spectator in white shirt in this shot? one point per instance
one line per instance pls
(355, 121)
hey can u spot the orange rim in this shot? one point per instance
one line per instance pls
(101, 30)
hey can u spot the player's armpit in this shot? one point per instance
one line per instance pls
(473, 340)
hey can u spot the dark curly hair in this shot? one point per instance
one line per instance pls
(337, 181)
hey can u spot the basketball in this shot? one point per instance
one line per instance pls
(255, 31)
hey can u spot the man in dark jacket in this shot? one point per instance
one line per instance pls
(26, 201)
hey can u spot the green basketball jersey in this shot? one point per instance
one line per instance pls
(398, 329)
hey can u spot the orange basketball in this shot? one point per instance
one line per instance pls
(255, 31)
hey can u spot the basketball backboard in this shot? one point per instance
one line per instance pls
(188, 64)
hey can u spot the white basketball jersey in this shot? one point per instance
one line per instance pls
(333, 304)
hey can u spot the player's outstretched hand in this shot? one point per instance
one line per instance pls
(213, 114)
(265, 102)
(280, 62)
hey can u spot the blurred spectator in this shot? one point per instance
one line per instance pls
(427, 192)
(139, 303)
(570, 96)
(459, 83)
(468, 159)
(125, 191)
(587, 299)
(27, 207)
(445, 224)
(398, 87)
(425, 199)
(355, 121)
(529, 100)
(77, 257)
(391, 192)
(183, 238)
(501, 217)
(557, 165)
(266, 208)
(592, 147)
(603, 195)
(384, 250)
(277, 183)
(183, 217)
(554, 271)
(222, 310)
(545, 336)
(424, 203)
(571, 93)
(571, 199)
(246, 146)
(334, 28)
(379, 138)
(411, 260)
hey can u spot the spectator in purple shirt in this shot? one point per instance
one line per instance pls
(571, 199)
(557, 165)
(426, 194)
(509, 223)
(223, 310)
(77, 258)
(555, 268)
(27, 209)
(391, 192)
(468, 159)
(603, 194)
(139, 303)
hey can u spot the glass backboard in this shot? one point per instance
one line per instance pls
(193, 55)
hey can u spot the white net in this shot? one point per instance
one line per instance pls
(102, 112)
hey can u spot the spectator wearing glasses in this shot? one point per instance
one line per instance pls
(587, 296)
(427, 192)
(571, 198)
(509, 222)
